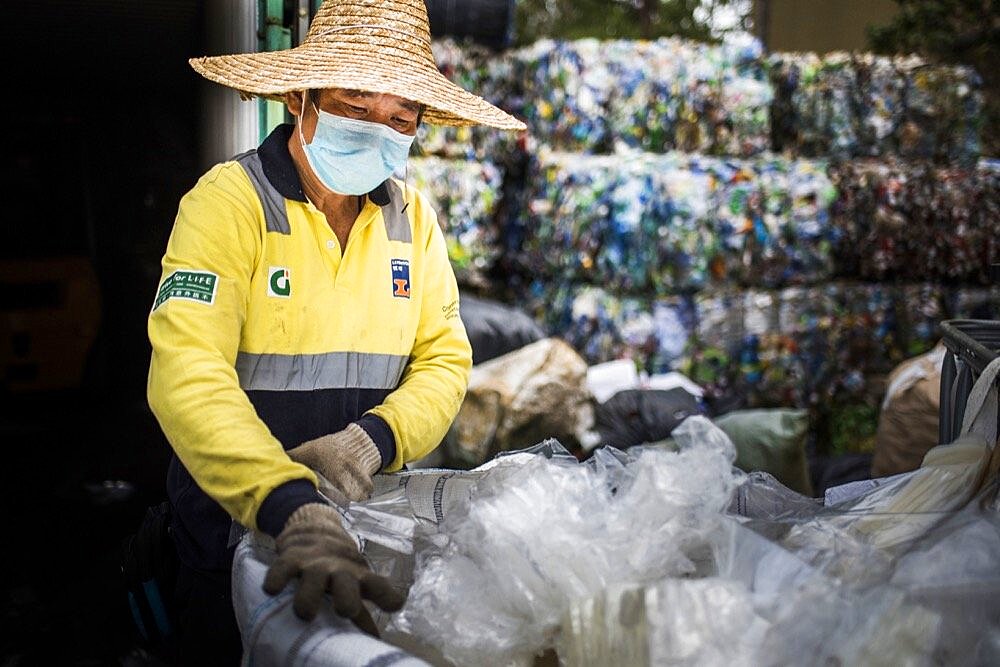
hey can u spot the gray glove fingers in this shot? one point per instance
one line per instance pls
(309, 596)
(380, 591)
(278, 575)
(346, 593)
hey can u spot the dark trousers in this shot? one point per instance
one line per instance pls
(207, 633)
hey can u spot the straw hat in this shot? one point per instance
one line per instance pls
(381, 46)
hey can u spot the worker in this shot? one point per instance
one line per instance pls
(307, 317)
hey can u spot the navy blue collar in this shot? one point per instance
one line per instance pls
(280, 170)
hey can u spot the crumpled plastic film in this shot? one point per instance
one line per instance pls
(688, 563)
(634, 626)
(792, 579)
(466, 196)
(506, 567)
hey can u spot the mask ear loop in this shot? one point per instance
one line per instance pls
(406, 166)
(302, 115)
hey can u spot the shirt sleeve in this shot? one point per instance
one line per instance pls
(433, 386)
(195, 328)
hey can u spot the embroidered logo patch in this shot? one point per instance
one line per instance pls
(279, 281)
(197, 286)
(400, 278)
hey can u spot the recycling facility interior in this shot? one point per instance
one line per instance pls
(707, 254)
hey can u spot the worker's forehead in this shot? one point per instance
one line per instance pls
(374, 97)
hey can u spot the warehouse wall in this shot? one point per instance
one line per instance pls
(819, 25)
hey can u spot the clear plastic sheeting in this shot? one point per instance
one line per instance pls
(493, 585)
(273, 636)
(799, 580)
(659, 557)
(678, 621)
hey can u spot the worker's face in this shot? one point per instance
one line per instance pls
(393, 111)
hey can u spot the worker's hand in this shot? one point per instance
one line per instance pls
(314, 547)
(348, 459)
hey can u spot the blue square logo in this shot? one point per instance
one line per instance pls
(400, 278)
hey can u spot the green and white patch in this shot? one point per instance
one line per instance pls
(279, 281)
(190, 285)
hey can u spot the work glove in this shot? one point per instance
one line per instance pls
(314, 547)
(347, 459)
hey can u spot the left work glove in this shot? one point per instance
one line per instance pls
(348, 459)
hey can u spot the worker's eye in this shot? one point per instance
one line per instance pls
(357, 110)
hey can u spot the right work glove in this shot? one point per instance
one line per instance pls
(347, 458)
(314, 547)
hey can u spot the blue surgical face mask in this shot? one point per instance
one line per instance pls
(353, 157)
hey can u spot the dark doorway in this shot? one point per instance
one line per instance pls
(101, 134)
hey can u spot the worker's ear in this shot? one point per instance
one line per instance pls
(293, 101)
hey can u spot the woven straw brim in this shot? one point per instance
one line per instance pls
(273, 73)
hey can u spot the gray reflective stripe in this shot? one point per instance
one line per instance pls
(333, 370)
(275, 215)
(397, 225)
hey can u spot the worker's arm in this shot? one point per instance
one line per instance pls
(194, 329)
(419, 412)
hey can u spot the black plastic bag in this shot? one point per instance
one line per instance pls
(495, 329)
(636, 416)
